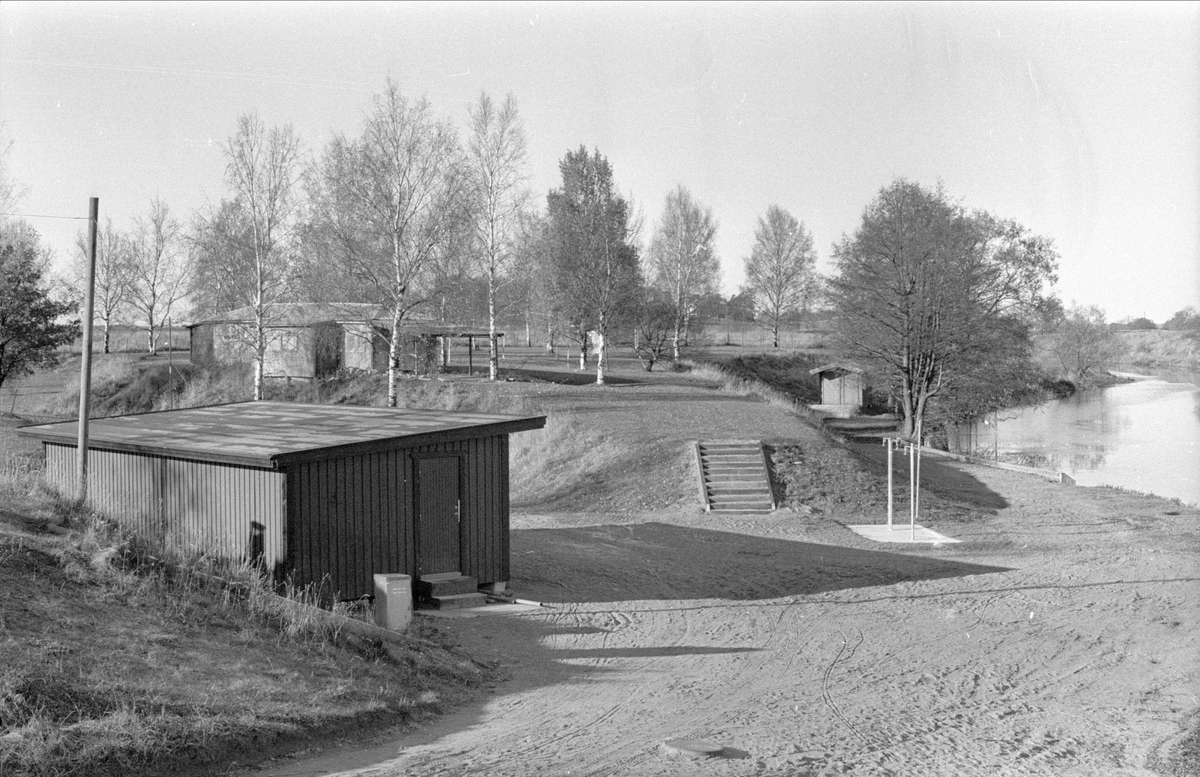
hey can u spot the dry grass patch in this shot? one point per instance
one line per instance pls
(117, 660)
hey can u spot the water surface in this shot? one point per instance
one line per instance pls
(1143, 436)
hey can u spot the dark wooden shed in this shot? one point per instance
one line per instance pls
(320, 494)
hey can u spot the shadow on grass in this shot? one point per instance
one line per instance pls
(565, 377)
(663, 561)
(938, 476)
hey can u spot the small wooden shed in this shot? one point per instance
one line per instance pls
(319, 494)
(841, 387)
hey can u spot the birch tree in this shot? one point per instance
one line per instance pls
(261, 170)
(387, 200)
(683, 261)
(497, 156)
(158, 268)
(113, 282)
(779, 270)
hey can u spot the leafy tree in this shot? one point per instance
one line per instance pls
(740, 306)
(113, 280)
(386, 201)
(33, 326)
(1133, 325)
(1006, 378)
(655, 328)
(779, 270)
(1186, 319)
(1084, 344)
(683, 261)
(221, 252)
(594, 274)
(923, 290)
(497, 158)
(158, 268)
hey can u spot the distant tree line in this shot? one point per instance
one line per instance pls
(938, 301)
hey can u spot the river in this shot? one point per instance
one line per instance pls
(1143, 436)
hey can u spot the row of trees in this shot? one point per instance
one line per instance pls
(405, 216)
(141, 273)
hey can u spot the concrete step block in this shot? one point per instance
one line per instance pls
(458, 601)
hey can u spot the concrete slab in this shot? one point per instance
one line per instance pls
(879, 532)
(499, 608)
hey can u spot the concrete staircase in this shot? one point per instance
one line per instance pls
(734, 476)
(449, 591)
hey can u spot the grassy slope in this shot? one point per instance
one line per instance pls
(114, 664)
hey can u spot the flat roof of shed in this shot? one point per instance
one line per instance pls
(271, 434)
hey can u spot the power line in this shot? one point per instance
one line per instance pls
(44, 216)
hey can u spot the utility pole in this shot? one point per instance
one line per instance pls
(85, 361)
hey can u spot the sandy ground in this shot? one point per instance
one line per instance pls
(1060, 638)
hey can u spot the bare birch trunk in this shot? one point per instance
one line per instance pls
(601, 352)
(493, 351)
(394, 361)
(259, 357)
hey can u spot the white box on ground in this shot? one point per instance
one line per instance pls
(393, 601)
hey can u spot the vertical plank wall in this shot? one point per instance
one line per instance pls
(353, 517)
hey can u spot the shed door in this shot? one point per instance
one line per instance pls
(438, 543)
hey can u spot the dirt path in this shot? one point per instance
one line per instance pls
(1059, 638)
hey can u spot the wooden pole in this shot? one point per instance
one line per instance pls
(917, 486)
(912, 491)
(890, 443)
(85, 361)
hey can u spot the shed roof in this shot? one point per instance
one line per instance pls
(834, 367)
(304, 313)
(272, 434)
(301, 314)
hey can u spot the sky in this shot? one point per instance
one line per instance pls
(1081, 121)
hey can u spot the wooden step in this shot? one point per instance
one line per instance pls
(743, 507)
(445, 584)
(733, 476)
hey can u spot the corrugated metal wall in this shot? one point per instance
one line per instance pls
(185, 505)
(353, 517)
